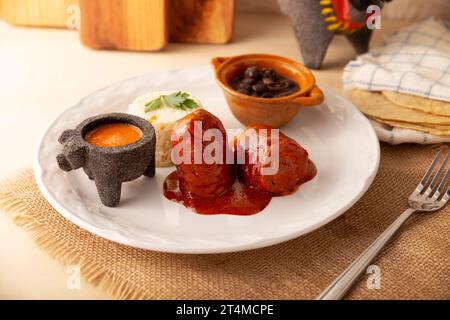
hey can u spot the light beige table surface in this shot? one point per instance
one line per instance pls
(44, 71)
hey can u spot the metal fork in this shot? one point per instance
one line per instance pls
(427, 197)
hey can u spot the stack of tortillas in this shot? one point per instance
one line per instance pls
(403, 86)
(404, 111)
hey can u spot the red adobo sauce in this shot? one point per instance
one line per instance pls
(213, 188)
(239, 200)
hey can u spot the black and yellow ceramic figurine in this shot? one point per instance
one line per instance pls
(316, 22)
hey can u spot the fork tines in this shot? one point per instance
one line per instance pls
(432, 186)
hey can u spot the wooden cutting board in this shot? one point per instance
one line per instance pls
(139, 25)
(37, 13)
(201, 21)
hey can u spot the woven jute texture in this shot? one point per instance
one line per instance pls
(415, 265)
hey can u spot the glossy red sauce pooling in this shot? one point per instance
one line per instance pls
(214, 189)
(239, 200)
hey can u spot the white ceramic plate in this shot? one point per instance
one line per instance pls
(339, 139)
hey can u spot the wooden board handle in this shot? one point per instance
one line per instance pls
(36, 13)
(139, 25)
(201, 21)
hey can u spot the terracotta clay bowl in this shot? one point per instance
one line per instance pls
(273, 112)
(109, 167)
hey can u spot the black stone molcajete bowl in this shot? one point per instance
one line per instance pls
(109, 166)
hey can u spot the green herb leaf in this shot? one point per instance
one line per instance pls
(184, 94)
(177, 100)
(174, 100)
(153, 105)
(190, 104)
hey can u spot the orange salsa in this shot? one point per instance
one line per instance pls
(113, 135)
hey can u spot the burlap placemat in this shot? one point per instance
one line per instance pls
(415, 265)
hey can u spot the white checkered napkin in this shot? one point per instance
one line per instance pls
(414, 60)
(400, 135)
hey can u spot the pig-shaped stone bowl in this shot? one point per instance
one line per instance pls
(109, 167)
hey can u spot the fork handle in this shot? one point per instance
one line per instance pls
(340, 286)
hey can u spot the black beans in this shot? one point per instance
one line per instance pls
(268, 81)
(252, 72)
(243, 91)
(263, 83)
(249, 81)
(259, 88)
(269, 73)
